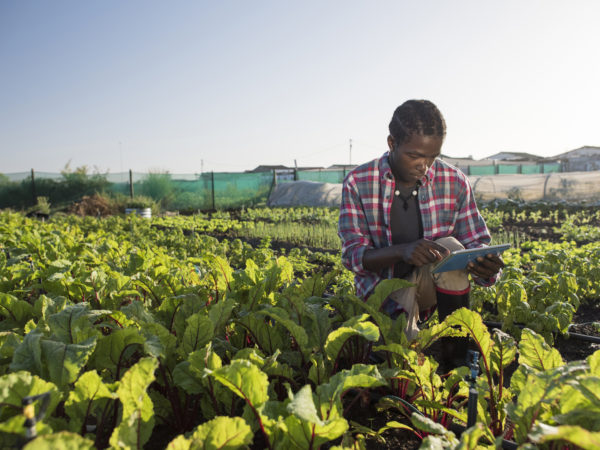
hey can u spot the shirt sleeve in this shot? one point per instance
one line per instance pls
(471, 229)
(353, 228)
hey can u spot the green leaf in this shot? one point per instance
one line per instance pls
(114, 350)
(303, 406)
(73, 324)
(14, 310)
(88, 397)
(538, 398)
(469, 439)
(390, 330)
(318, 372)
(578, 436)
(357, 326)
(304, 435)
(28, 355)
(580, 403)
(281, 316)
(393, 425)
(63, 440)
(220, 313)
(359, 376)
(45, 306)
(189, 374)
(137, 420)
(428, 336)
(535, 353)
(221, 433)
(9, 342)
(219, 272)
(594, 362)
(198, 333)
(471, 322)
(245, 380)
(18, 385)
(137, 311)
(268, 337)
(12, 431)
(180, 443)
(63, 362)
(159, 343)
(503, 351)
(185, 377)
(426, 424)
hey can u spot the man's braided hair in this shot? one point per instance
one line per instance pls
(416, 117)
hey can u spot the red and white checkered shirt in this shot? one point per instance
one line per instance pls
(446, 203)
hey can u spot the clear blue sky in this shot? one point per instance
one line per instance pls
(228, 85)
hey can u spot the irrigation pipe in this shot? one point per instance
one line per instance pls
(578, 336)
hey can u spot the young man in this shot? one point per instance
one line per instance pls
(404, 211)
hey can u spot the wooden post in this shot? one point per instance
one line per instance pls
(130, 183)
(212, 188)
(33, 193)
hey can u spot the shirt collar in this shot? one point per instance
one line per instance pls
(386, 170)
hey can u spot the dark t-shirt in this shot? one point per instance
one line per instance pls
(405, 224)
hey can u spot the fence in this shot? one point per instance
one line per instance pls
(223, 190)
(513, 169)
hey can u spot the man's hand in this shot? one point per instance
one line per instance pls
(422, 252)
(486, 267)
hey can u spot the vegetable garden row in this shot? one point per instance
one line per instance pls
(179, 332)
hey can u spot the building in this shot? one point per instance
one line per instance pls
(515, 156)
(581, 159)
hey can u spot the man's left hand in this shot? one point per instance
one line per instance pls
(486, 267)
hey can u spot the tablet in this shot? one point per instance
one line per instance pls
(460, 258)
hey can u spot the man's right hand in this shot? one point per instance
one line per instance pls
(422, 252)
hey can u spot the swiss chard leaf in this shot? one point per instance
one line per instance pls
(573, 434)
(18, 385)
(86, 400)
(63, 440)
(221, 433)
(137, 419)
(535, 353)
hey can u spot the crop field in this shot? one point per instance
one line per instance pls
(240, 329)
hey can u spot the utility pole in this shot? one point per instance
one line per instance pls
(350, 158)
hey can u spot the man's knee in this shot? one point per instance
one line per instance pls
(454, 280)
(451, 243)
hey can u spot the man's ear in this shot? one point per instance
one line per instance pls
(390, 140)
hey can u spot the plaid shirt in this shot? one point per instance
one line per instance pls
(447, 208)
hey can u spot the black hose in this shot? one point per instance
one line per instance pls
(577, 336)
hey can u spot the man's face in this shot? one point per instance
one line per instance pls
(411, 159)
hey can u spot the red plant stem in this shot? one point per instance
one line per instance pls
(312, 437)
(260, 423)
